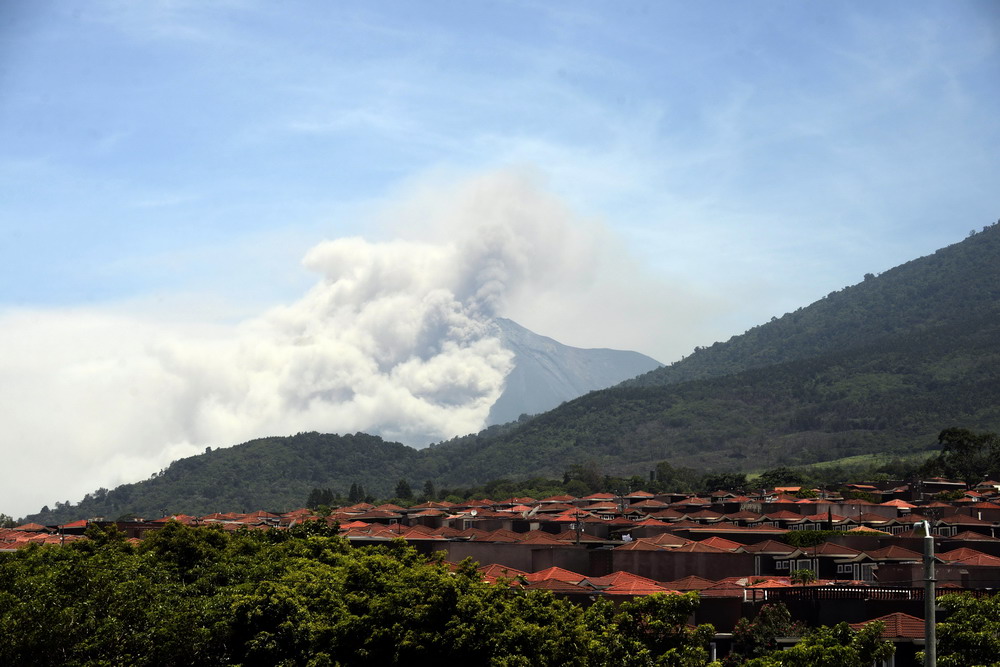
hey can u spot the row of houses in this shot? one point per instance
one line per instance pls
(730, 547)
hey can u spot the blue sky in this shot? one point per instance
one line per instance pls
(170, 163)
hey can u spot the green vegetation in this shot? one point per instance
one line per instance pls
(922, 294)
(758, 637)
(965, 455)
(837, 646)
(803, 577)
(970, 635)
(304, 597)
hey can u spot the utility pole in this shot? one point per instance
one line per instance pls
(930, 620)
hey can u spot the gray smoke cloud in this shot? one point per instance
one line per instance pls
(395, 338)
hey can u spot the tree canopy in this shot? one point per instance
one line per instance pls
(190, 595)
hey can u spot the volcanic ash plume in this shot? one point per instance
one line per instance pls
(396, 338)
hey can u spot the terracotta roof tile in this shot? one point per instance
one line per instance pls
(505, 571)
(688, 583)
(897, 626)
(670, 540)
(982, 560)
(769, 547)
(558, 573)
(973, 536)
(640, 545)
(894, 552)
(617, 577)
(636, 588)
(721, 543)
(556, 586)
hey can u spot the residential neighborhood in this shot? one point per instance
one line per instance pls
(828, 558)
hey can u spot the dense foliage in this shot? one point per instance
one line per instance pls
(970, 633)
(302, 597)
(837, 646)
(966, 455)
(924, 293)
(758, 636)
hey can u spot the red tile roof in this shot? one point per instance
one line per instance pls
(769, 547)
(981, 560)
(616, 578)
(670, 540)
(556, 586)
(897, 626)
(557, 573)
(640, 544)
(496, 570)
(972, 536)
(34, 527)
(959, 554)
(894, 552)
(688, 583)
(558, 499)
(636, 588)
(721, 543)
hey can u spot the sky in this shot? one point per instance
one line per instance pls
(243, 218)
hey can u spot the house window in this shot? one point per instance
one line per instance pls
(782, 565)
(844, 569)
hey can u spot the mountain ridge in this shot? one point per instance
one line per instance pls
(894, 371)
(940, 287)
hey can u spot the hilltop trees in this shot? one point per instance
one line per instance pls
(965, 455)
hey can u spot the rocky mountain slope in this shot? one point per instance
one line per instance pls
(547, 373)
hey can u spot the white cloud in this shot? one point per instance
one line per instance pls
(394, 338)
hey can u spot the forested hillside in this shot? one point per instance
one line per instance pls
(894, 395)
(948, 286)
(883, 366)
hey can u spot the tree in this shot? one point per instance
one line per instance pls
(7, 521)
(403, 490)
(357, 493)
(589, 474)
(429, 491)
(782, 476)
(318, 497)
(728, 480)
(653, 629)
(837, 646)
(200, 595)
(971, 633)
(965, 455)
(803, 577)
(675, 478)
(759, 636)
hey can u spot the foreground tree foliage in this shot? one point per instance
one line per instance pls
(757, 637)
(837, 646)
(305, 597)
(970, 635)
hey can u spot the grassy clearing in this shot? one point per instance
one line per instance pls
(861, 461)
